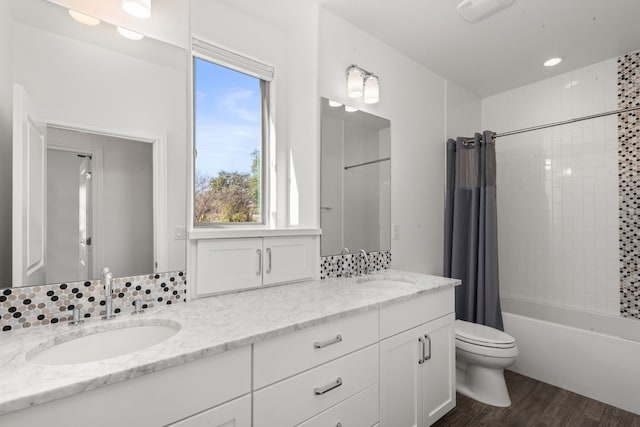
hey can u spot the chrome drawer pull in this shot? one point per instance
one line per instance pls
(429, 339)
(269, 258)
(259, 270)
(327, 343)
(422, 359)
(322, 390)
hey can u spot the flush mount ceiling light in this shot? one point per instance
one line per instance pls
(128, 34)
(552, 62)
(137, 8)
(477, 10)
(84, 19)
(362, 82)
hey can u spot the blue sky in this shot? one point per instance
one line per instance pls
(227, 118)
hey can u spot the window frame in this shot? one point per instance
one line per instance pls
(265, 73)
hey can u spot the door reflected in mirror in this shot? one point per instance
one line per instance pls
(355, 201)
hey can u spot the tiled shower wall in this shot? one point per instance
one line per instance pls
(558, 191)
(46, 304)
(629, 185)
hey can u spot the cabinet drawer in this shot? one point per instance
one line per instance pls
(360, 410)
(290, 354)
(299, 398)
(236, 413)
(396, 318)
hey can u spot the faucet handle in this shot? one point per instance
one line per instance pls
(76, 317)
(137, 304)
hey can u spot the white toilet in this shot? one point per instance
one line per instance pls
(482, 354)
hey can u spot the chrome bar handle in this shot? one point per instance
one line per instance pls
(428, 338)
(269, 260)
(259, 271)
(327, 343)
(421, 360)
(322, 390)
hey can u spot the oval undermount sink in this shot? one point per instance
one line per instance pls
(378, 281)
(102, 342)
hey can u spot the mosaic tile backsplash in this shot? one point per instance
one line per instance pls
(352, 265)
(45, 304)
(629, 183)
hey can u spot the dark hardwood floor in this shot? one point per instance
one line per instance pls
(534, 403)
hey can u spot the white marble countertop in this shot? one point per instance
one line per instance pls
(208, 326)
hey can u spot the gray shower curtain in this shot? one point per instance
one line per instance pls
(471, 233)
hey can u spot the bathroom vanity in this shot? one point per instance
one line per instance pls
(362, 351)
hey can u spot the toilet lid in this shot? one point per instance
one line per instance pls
(483, 335)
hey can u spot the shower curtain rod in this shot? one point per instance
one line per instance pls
(367, 163)
(565, 122)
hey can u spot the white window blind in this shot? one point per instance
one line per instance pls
(233, 60)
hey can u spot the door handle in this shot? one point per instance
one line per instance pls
(421, 341)
(259, 253)
(428, 338)
(268, 260)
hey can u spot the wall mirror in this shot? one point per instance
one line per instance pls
(99, 150)
(355, 201)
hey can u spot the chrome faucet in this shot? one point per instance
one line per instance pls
(108, 277)
(364, 257)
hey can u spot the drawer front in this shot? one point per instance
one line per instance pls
(290, 354)
(396, 318)
(299, 398)
(236, 413)
(360, 410)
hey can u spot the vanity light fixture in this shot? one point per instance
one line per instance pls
(334, 104)
(362, 82)
(350, 109)
(84, 19)
(137, 8)
(552, 62)
(128, 34)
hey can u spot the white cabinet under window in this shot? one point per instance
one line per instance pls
(225, 265)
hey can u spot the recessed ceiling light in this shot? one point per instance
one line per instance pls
(349, 109)
(333, 103)
(84, 19)
(128, 34)
(552, 62)
(477, 10)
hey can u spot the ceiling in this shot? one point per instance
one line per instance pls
(504, 51)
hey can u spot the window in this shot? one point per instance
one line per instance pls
(230, 115)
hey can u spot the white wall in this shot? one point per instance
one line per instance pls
(463, 111)
(96, 88)
(417, 114)
(6, 97)
(558, 190)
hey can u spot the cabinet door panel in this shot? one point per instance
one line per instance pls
(439, 371)
(401, 380)
(288, 259)
(225, 265)
(236, 413)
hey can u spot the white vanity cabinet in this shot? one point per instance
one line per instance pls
(156, 399)
(417, 366)
(225, 265)
(324, 373)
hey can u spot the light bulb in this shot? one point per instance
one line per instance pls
(137, 8)
(371, 89)
(355, 82)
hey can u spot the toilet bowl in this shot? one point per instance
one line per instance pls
(482, 354)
